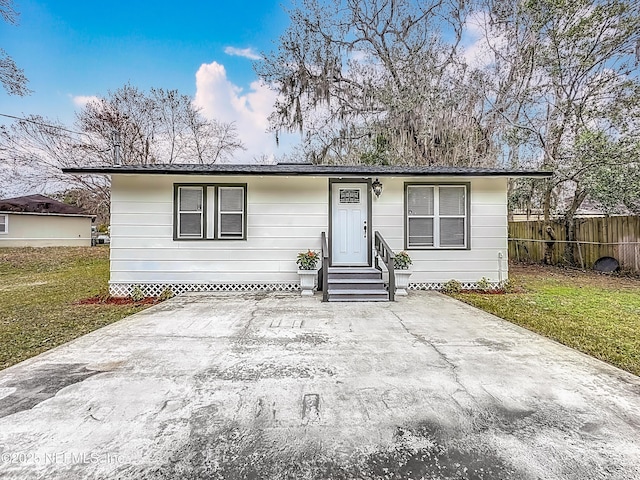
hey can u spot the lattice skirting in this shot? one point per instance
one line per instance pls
(156, 289)
(440, 286)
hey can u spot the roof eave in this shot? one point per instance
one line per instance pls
(52, 214)
(292, 172)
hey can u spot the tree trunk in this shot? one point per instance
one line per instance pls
(548, 246)
(570, 234)
(548, 249)
(570, 226)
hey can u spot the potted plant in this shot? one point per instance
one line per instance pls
(307, 262)
(401, 263)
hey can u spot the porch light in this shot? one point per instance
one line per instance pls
(377, 187)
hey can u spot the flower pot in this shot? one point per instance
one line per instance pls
(307, 281)
(402, 282)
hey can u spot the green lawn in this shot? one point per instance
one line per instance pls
(38, 288)
(596, 314)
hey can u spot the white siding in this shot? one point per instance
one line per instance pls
(285, 215)
(34, 230)
(488, 232)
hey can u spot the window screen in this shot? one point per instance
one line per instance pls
(452, 232)
(421, 232)
(453, 205)
(420, 200)
(190, 212)
(436, 216)
(231, 207)
(420, 211)
(452, 200)
(210, 212)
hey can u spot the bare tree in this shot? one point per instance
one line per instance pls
(12, 78)
(168, 108)
(132, 113)
(35, 150)
(357, 76)
(160, 127)
(212, 141)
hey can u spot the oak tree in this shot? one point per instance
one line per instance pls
(379, 81)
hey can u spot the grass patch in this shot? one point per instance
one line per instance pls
(596, 314)
(39, 288)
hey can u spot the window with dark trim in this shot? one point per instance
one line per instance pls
(210, 212)
(437, 216)
(4, 223)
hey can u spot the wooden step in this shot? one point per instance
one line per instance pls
(353, 269)
(355, 283)
(354, 272)
(358, 295)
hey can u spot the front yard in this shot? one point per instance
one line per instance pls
(594, 313)
(38, 291)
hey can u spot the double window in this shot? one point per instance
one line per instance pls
(436, 216)
(4, 224)
(210, 212)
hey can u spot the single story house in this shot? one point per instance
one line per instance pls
(230, 227)
(39, 221)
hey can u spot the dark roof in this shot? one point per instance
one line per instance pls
(38, 204)
(305, 169)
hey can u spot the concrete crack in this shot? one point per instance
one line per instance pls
(382, 399)
(245, 332)
(452, 366)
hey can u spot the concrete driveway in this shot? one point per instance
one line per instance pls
(278, 386)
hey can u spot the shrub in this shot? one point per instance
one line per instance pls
(452, 286)
(401, 261)
(166, 294)
(484, 284)
(509, 286)
(137, 295)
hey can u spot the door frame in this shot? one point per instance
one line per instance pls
(366, 181)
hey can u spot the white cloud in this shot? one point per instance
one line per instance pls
(221, 99)
(82, 100)
(477, 41)
(249, 53)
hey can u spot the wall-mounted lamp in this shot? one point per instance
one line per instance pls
(376, 186)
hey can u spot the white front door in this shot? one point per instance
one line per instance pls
(349, 232)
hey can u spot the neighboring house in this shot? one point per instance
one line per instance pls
(240, 227)
(39, 221)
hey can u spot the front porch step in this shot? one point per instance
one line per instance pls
(353, 269)
(358, 295)
(356, 284)
(354, 272)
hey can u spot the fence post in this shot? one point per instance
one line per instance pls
(580, 255)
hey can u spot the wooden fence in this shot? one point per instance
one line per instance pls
(617, 237)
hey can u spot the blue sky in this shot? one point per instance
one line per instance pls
(72, 50)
